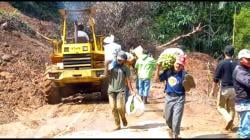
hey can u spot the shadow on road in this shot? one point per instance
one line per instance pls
(147, 126)
(235, 129)
(153, 110)
(212, 136)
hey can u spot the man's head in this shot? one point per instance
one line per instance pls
(121, 57)
(244, 56)
(80, 27)
(180, 63)
(229, 50)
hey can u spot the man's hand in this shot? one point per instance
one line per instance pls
(157, 73)
(211, 94)
(133, 93)
(156, 79)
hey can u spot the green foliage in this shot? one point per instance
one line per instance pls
(242, 29)
(38, 9)
(172, 19)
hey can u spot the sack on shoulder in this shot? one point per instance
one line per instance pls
(188, 82)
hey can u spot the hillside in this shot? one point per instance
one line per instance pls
(23, 58)
(23, 105)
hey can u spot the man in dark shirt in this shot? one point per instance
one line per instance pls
(241, 80)
(223, 73)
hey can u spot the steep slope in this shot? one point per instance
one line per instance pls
(22, 61)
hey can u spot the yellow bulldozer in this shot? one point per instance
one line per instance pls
(75, 60)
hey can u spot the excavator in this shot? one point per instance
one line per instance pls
(75, 60)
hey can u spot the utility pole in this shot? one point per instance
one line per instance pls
(234, 23)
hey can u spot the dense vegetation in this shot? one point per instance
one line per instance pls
(42, 10)
(242, 28)
(150, 23)
(176, 18)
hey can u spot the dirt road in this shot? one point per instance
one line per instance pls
(92, 118)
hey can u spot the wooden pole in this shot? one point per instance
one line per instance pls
(234, 24)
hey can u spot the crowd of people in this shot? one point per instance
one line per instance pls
(232, 76)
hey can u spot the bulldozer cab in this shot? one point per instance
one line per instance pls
(78, 37)
(78, 27)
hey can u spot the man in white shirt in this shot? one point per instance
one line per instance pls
(81, 32)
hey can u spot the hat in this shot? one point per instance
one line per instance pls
(244, 53)
(229, 50)
(181, 60)
(109, 39)
(122, 55)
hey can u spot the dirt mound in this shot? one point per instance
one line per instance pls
(201, 66)
(49, 29)
(22, 62)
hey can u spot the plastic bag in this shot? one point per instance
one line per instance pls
(134, 106)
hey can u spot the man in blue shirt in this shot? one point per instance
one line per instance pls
(175, 97)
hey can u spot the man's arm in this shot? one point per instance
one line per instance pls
(157, 72)
(243, 77)
(129, 81)
(130, 87)
(106, 67)
(217, 77)
(213, 89)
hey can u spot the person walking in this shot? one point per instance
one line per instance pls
(175, 94)
(145, 67)
(119, 76)
(241, 82)
(223, 73)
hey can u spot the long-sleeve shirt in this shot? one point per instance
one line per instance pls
(241, 81)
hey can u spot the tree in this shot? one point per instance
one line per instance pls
(242, 29)
(172, 19)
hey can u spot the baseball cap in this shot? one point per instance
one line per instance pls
(181, 60)
(229, 50)
(122, 55)
(244, 53)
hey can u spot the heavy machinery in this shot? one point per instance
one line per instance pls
(75, 60)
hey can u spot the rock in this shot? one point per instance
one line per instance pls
(19, 88)
(6, 57)
(10, 90)
(15, 53)
(6, 75)
(4, 26)
(3, 64)
(5, 44)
